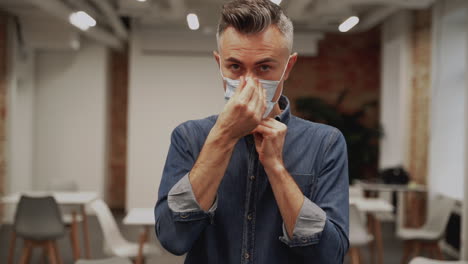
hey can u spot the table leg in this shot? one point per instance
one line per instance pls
(11, 252)
(377, 232)
(143, 239)
(74, 237)
(373, 243)
(85, 232)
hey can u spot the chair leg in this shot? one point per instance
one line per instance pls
(51, 252)
(57, 252)
(26, 252)
(437, 251)
(74, 238)
(408, 248)
(417, 248)
(11, 252)
(354, 257)
(44, 259)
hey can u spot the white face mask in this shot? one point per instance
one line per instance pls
(269, 86)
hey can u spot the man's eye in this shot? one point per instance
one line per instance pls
(234, 67)
(264, 68)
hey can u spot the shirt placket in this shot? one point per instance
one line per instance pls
(248, 234)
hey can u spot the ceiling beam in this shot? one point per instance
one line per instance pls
(178, 8)
(374, 18)
(61, 11)
(296, 9)
(108, 10)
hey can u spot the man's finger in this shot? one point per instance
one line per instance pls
(269, 122)
(260, 103)
(264, 130)
(247, 91)
(241, 85)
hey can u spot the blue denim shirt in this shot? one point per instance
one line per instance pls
(244, 225)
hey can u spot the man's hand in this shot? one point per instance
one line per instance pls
(244, 111)
(269, 140)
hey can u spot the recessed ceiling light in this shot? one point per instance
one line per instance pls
(82, 20)
(348, 24)
(192, 21)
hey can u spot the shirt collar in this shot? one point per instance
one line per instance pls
(284, 105)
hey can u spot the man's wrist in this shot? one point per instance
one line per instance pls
(275, 170)
(221, 137)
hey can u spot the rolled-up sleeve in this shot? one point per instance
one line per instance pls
(179, 218)
(322, 227)
(181, 200)
(309, 225)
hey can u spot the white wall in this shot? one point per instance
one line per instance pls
(395, 90)
(164, 90)
(20, 115)
(71, 117)
(464, 235)
(19, 119)
(447, 157)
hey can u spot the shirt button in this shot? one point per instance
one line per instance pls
(246, 256)
(249, 217)
(252, 178)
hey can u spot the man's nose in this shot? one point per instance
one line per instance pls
(250, 75)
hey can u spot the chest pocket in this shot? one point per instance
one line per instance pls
(305, 181)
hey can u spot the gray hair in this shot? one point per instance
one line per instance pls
(254, 16)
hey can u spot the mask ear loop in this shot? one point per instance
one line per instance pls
(282, 75)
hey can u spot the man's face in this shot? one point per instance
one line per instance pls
(262, 55)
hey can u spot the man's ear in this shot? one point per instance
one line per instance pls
(216, 56)
(291, 63)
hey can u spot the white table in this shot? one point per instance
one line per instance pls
(371, 206)
(141, 217)
(382, 187)
(79, 199)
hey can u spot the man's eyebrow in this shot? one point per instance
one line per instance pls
(265, 60)
(231, 59)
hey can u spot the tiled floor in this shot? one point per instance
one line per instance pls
(392, 246)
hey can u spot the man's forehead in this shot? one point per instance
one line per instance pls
(270, 43)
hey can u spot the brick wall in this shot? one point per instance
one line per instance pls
(348, 62)
(344, 61)
(420, 100)
(3, 89)
(118, 97)
(421, 93)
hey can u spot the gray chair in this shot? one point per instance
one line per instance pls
(105, 261)
(38, 221)
(68, 211)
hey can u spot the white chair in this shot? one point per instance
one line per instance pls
(358, 235)
(420, 260)
(105, 261)
(387, 216)
(114, 243)
(431, 232)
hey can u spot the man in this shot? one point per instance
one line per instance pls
(254, 184)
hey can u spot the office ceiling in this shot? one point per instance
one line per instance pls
(113, 16)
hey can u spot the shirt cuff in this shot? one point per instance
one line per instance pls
(181, 200)
(309, 226)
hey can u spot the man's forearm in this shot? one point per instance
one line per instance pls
(208, 171)
(287, 194)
